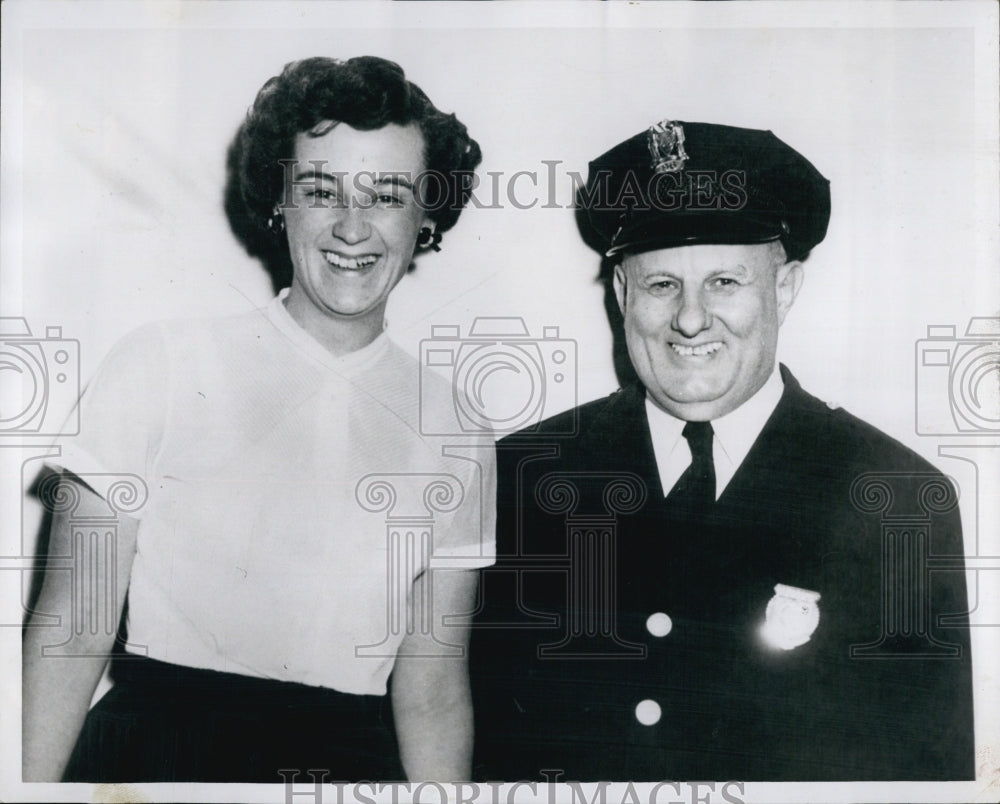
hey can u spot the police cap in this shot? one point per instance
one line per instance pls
(681, 183)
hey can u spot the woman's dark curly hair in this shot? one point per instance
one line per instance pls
(365, 92)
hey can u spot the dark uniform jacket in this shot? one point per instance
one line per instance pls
(588, 549)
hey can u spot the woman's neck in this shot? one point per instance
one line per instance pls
(339, 335)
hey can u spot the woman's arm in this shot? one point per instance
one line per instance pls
(432, 705)
(62, 663)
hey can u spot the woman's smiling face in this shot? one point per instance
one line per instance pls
(352, 219)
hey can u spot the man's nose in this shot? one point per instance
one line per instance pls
(692, 315)
(352, 224)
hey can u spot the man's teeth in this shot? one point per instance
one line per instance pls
(696, 351)
(350, 263)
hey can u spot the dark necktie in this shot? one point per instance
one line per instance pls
(694, 492)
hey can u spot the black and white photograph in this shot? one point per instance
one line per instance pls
(500, 402)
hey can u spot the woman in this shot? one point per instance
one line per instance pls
(270, 591)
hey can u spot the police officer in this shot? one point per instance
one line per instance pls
(710, 573)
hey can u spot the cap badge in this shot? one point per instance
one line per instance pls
(791, 617)
(666, 146)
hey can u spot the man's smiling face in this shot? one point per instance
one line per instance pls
(701, 322)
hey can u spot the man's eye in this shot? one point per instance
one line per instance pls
(725, 281)
(389, 199)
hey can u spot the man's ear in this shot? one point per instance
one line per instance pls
(621, 289)
(788, 280)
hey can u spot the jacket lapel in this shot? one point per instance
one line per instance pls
(619, 438)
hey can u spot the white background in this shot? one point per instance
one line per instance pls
(116, 118)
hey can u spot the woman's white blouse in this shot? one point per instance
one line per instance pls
(292, 496)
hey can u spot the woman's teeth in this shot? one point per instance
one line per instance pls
(349, 263)
(696, 351)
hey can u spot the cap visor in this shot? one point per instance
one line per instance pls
(687, 229)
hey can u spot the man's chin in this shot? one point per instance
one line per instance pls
(702, 405)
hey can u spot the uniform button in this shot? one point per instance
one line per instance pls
(659, 624)
(648, 712)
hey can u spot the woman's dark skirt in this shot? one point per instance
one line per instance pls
(166, 723)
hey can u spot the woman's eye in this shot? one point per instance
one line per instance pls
(320, 195)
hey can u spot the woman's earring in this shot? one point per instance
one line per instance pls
(429, 238)
(276, 223)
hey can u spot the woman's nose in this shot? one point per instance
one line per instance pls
(352, 224)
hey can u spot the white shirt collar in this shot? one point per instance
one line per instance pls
(735, 434)
(279, 316)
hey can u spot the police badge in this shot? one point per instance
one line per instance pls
(666, 146)
(791, 617)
